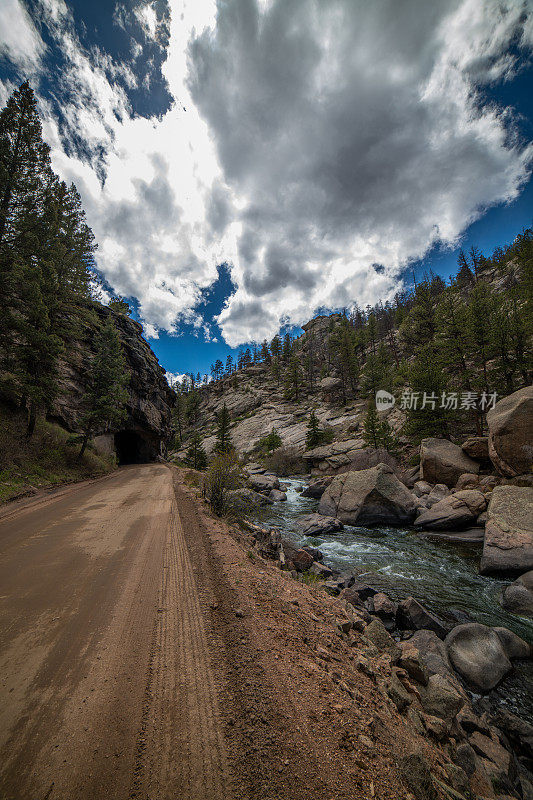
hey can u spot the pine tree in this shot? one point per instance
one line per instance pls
(38, 350)
(314, 434)
(371, 427)
(24, 173)
(265, 352)
(223, 442)
(179, 414)
(275, 347)
(465, 277)
(426, 375)
(192, 406)
(293, 379)
(24, 159)
(275, 368)
(387, 437)
(341, 344)
(217, 370)
(195, 456)
(287, 348)
(107, 394)
(120, 306)
(480, 319)
(419, 328)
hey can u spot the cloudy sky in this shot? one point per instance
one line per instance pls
(246, 163)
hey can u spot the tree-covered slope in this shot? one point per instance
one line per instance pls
(459, 343)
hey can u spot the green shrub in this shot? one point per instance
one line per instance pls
(224, 474)
(285, 461)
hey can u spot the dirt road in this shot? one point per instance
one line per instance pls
(106, 683)
(148, 652)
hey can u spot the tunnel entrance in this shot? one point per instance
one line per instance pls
(134, 448)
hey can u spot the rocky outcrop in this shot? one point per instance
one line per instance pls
(143, 435)
(518, 596)
(511, 433)
(369, 497)
(314, 524)
(346, 456)
(482, 655)
(508, 546)
(454, 512)
(442, 461)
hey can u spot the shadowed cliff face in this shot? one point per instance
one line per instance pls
(144, 433)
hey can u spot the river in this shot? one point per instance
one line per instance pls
(442, 575)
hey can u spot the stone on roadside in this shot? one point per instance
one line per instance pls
(415, 771)
(489, 749)
(467, 481)
(477, 653)
(412, 615)
(421, 488)
(514, 646)
(317, 488)
(302, 560)
(412, 662)
(249, 499)
(358, 592)
(397, 692)
(379, 636)
(441, 698)
(320, 570)
(488, 482)
(385, 609)
(438, 492)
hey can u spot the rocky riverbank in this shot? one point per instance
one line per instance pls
(440, 669)
(443, 667)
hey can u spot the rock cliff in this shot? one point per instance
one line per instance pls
(144, 433)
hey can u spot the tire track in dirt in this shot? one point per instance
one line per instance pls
(180, 750)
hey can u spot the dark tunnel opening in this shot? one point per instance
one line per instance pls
(133, 448)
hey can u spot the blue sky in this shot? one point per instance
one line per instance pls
(247, 164)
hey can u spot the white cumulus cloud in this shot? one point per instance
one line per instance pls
(306, 142)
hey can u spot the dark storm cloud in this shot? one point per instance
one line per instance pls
(350, 131)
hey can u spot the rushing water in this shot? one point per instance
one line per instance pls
(442, 575)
